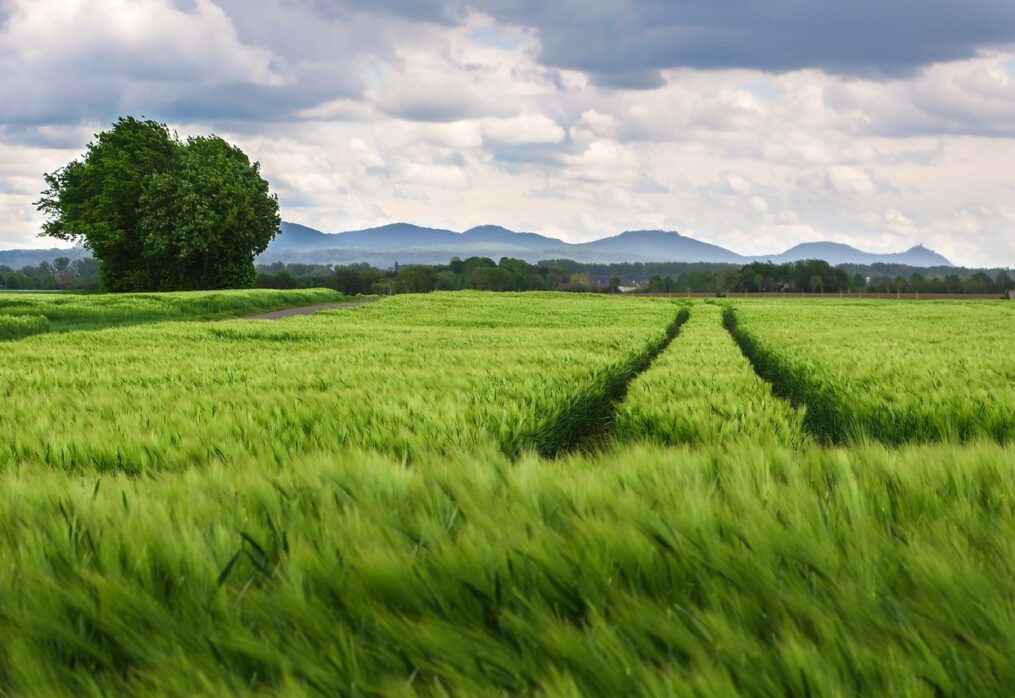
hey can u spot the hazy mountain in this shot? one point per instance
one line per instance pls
(660, 246)
(394, 236)
(16, 259)
(294, 236)
(837, 253)
(407, 244)
(406, 236)
(412, 244)
(498, 235)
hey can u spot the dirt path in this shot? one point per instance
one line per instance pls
(307, 310)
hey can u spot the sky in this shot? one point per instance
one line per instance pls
(754, 125)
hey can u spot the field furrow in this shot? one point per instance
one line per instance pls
(702, 390)
(886, 371)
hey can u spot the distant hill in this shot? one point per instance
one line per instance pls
(837, 253)
(660, 246)
(405, 236)
(294, 236)
(16, 259)
(412, 244)
(495, 234)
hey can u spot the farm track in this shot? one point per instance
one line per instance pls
(306, 310)
(822, 418)
(703, 390)
(31, 314)
(597, 413)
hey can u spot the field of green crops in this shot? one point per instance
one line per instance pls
(409, 375)
(479, 494)
(892, 373)
(23, 314)
(704, 392)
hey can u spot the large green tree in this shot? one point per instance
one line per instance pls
(163, 214)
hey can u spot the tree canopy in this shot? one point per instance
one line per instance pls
(163, 214)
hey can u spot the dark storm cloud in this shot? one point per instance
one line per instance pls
(322, 50)
(622, 43)
(625, 43)
(241, 102)
(441, 11)
(256, 60)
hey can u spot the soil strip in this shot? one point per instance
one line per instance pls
(306, 310)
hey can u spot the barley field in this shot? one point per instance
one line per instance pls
(890, 372)
(70, 311)
(484, 494)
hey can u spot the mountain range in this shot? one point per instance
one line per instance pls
(411, 244)
(16, 259)
(404, 243)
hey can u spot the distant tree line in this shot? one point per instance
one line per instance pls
(482, 273)
(814, 276)
(59, 275)
(479, 273)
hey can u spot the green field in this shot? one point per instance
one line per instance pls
(24, 314)
(478, 494)
(893, 373)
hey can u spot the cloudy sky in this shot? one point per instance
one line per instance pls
(755, 125)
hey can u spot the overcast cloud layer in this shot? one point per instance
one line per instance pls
(751, 125)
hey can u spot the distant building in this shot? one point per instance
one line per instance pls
(627, 289)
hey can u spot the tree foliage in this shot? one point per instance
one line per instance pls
(163, 214)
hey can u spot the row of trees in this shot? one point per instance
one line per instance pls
(515, 275)
(60, 275)
(479, 273)
(978, 282)
(812, 276)
(799, 277)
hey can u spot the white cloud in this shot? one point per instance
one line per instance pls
(594, 124)
(63, 56)
(975, 96)
(521, 129)
(602, 161)
(759, 204)
(361, 117)
(850, 180)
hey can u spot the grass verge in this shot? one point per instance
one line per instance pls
(68, 311)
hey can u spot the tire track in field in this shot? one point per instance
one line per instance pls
(702, 391)
(306, 310)
(587, 426)
(824, 417)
